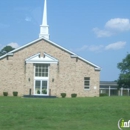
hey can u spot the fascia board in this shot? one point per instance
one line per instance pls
(32, 57)
(54, 45)
(42, 62)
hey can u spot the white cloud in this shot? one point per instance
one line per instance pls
(28, 19)
(99, 48)
(83, 48)
(112, 27)
(96, 48)
(115, 46)
(102, 33)
(118, 24)
(13, 44)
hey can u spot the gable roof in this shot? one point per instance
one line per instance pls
(73, 55)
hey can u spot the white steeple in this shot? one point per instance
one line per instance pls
(44, 28)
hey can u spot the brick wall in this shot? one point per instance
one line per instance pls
(68, 75)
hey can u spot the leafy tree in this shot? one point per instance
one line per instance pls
(124, 77)
(6, 50)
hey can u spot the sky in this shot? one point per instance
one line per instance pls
(97, 30)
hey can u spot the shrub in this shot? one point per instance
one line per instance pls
(15, 93)
(103, 94)
(73, 95)
(63, 95)
(38, 91)
(44, 91)
(5, 93)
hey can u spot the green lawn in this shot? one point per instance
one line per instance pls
(63, 114)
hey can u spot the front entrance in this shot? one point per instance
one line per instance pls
(41, 78)
(41, 87)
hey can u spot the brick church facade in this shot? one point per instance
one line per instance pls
(44, 68)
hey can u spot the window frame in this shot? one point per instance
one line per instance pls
(41, 79)
(41, 70)
(87, 79)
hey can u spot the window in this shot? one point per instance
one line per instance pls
(41, 70)
(86, 82)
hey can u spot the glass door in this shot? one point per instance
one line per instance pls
(37, 86)
(41, 87)
(44, 87)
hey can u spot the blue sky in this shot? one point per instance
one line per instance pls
(97, 30)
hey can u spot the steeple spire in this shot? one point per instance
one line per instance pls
(44, 28)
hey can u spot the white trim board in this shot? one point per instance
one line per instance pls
(47, 59)
(71, 53)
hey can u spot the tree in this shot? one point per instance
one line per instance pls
(6, 50)
(124, 77)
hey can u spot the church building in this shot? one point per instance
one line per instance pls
(44, 68)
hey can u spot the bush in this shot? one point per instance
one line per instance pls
(15, 93)
(38, 91)
(73, 95)
(103, 94)
(44, 91)
(5, 93)
(63, 95)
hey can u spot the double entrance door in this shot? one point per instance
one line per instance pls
(41, 87)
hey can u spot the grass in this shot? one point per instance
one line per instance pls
(63, 113)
